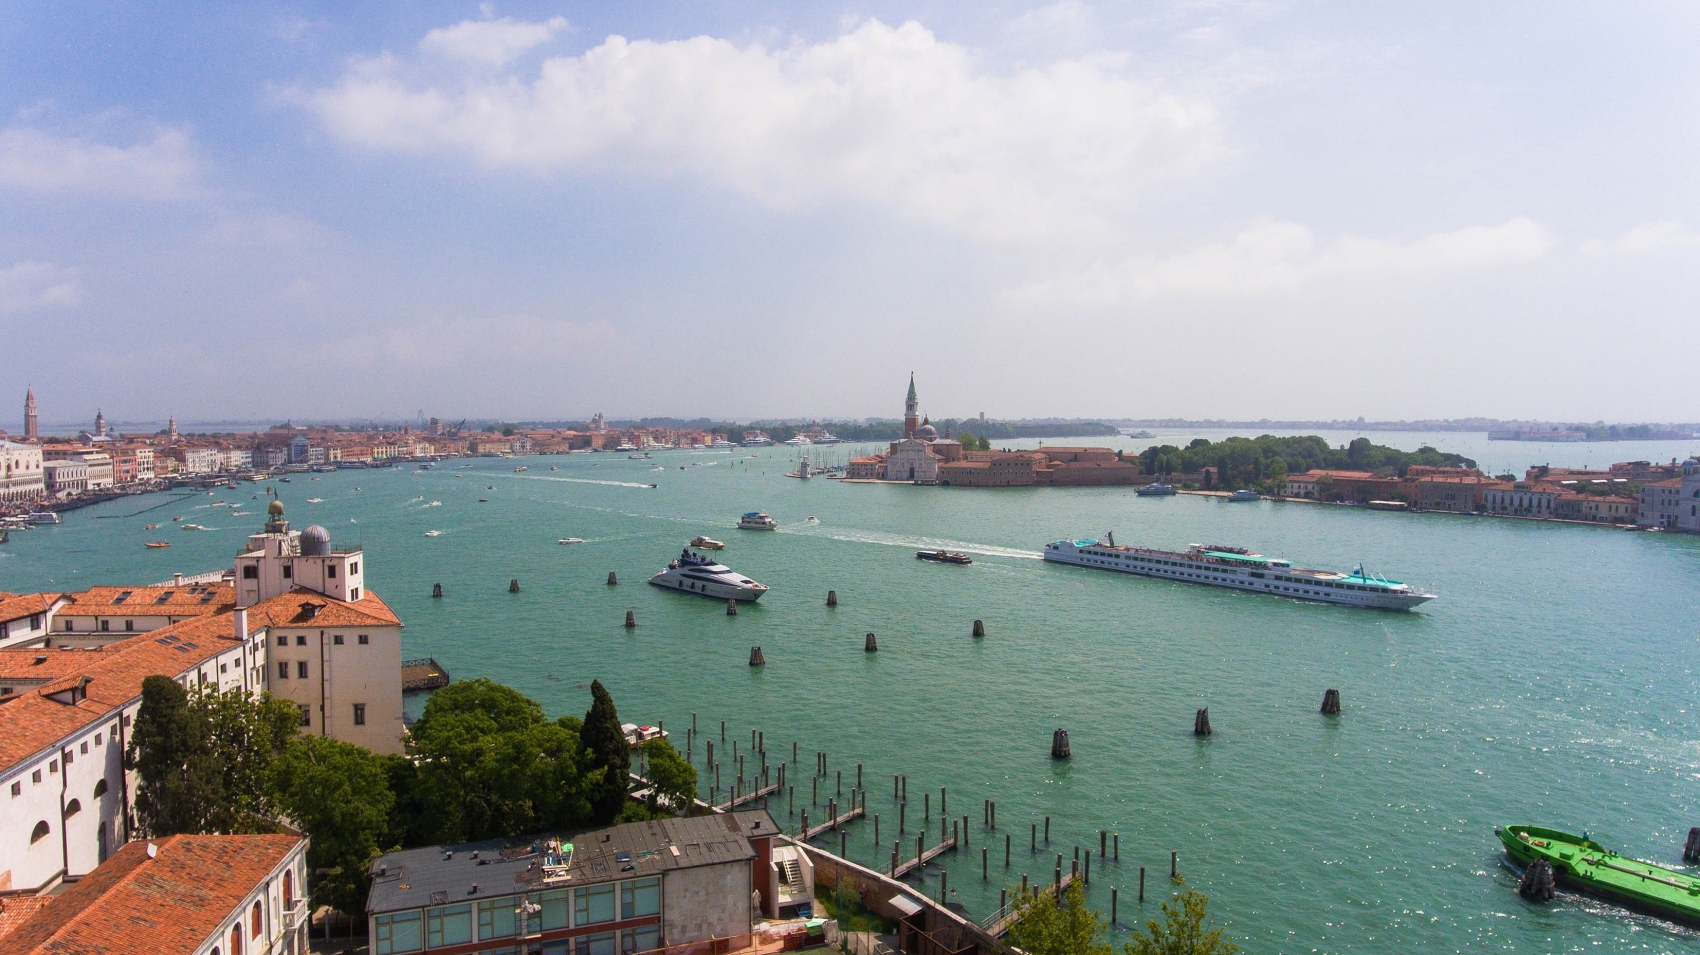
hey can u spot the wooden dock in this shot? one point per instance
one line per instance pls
(426, 674)
(747, 798)
(904, 868)
(813, 831)
(1000, 921)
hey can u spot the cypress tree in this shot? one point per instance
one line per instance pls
(607, 748)
(180, 784)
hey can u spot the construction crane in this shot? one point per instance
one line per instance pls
(455, 431)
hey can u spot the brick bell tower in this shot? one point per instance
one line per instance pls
(911, 414)
(32, 430)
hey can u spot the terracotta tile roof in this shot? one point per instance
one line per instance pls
(306, 608)
(162, 599)
(1314, 473)
(46, 663)
(174, 902)
(16, 910)
(18, 606)
(34, 721)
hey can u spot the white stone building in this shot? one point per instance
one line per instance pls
(21, 477)
(1688, 508)
(65, 478)
(1520, 499)
(911, 459)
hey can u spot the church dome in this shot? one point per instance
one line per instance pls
(927, 432)
(315, 542)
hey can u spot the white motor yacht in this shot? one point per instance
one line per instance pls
(800, 441)
(757, 521)
(700, 574)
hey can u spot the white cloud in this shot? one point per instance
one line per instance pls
(493, 42)
(35, 285)
(1279, 257)
(887, 115)
(164, 167)
(1646, 238)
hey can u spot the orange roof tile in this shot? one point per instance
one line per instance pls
(35, 722)
(167, 599)
(18, 606)
(174, 902)
(44, 663)
(15, 910)
(303, 608)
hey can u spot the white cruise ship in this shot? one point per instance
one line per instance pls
(1240, 569)
(698, 574)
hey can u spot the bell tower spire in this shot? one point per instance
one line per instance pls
(32, 430)
(911, 410)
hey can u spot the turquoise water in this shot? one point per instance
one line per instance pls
(1553, 682)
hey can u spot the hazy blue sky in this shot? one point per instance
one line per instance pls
(1284, 209)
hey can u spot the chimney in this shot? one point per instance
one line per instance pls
(176, 580)
(241, 624)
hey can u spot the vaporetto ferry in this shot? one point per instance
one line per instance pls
(1240, 569)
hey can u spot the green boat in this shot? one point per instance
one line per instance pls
(1586, 866)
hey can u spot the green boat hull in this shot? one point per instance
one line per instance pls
(1586, 866)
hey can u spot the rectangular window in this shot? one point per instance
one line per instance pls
(330, 570)
(105, 626)
(448, 925)
(288, 572)
(336, 638)
(593, 904)
(640, 897)
(496, 918)
(354, 568)
(634, 940)
(97, 739)
(283, 639)
(364, 639)
(17, 789)
(306, 715)
(594, 944)
(554, 904)
(53, 767)
(85, 747)
(397, 933)
(35, 777)
(359, 714)
(283, 671)
(129, 625)
(300, 639)
(301, 669)
(35, 621)
(250, 572)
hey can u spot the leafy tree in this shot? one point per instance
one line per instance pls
(674, 778)
(1324, 487)
(608, 750)
(180, 784)
(1049, 926)
(204, 758)
(1183, 931)
(245, 734)
(340, 795)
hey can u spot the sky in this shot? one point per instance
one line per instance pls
(1196, 208)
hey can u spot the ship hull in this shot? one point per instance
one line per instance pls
(1585, 866)
(1165, 565)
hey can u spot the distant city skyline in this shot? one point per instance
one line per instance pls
(1069, 209)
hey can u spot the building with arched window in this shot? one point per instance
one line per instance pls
(181, 895)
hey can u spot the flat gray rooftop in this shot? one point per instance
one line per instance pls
(438, 875)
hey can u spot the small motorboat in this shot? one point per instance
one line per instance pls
(655, 485)
(283, 480)
(152, 526)
(943, 557)
(177, 518)
(157, 544)
(1156, 489)
(435, 504)
(553, 468)
(570, 540)
(483, 500)
(192, 527)
(519, 469)
(1245, 494)
(707, 543)
(432, 533)
(315, 500)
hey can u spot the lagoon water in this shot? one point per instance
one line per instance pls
(1554, 681)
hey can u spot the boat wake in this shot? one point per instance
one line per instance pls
(916, 543)
(567, 480)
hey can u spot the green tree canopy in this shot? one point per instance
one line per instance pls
(339, 794)
(1267, 460)
(1183, 931)
(1066, 926)
(607, 749)
(204, 758)
(674, 778)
